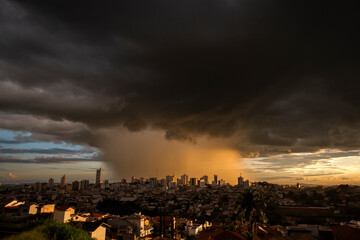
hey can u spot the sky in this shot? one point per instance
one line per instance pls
(265, 89)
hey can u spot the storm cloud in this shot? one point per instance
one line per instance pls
(43, 151)
(273, 77)
(46, 160)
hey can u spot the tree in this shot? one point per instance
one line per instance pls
(252, 209)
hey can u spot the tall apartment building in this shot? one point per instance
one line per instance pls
(84, 185)
(246, 184)
(169, 179)
(106, 184)
(185, 179)
(153, 182)
(98, 177)
(51, 183)
(241, 181)
(62, 182)
(75, 186)
(205, 178)
(193, 181)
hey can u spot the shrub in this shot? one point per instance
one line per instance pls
(52, 230)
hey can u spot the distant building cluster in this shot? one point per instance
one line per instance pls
(243, 184)
(171, 181)
(74, 186)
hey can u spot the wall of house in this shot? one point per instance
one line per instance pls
(99, 233)
(71, 210)
(48, 208)
(140, 226)
(78, 218)
(33, 209)
(62, 216)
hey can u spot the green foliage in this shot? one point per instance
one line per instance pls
(13, 227)
(38, 233)
(60, 231)
(251, 210)
(253, 205)
(274, 215)
(52, 230)
(248, 235)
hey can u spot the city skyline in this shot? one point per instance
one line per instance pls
(169, 181)
(266, 89)
(88, 173)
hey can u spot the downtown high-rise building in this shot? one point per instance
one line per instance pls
(215, 182)
(153, 182)
(205, 178)
(185, 179)
(241, 181)
(98, 177)
(75, 186)
(62, 182)
(193, 181)
(106, 183)
(247, 184)
(169, 179)
(84, 185)
(201, 183)
(51, 183)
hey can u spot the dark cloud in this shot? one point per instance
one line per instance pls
(277, 77)
(46, 160)
(3, 141)
(43, 151)
(44, 129)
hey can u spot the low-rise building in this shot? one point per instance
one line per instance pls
(63, 214)
(47, 208)
(97, 230)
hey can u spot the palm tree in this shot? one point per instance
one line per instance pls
(252, 208)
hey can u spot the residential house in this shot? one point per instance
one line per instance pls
(97, 230)
(63, 214)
